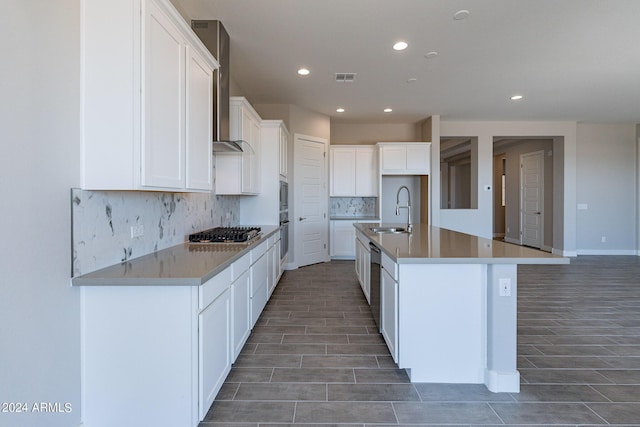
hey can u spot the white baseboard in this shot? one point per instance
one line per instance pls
(502, 382)
(512, 240)
(607, 252)
(571, 254)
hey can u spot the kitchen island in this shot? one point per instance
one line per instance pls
(160, 332)
(448, 303)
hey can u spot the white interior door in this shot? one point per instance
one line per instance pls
(311, 223)
(531, 196)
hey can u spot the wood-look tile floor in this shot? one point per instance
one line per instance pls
(315, 356)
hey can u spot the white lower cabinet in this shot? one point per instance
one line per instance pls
(172, 346)
(273, 254)
(342, 241)
(363, 269)
(389, 311)
(240, 322)
(259, 288)
(214, 356)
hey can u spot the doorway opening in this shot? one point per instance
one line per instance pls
(527, 179)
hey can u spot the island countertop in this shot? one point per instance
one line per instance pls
(428, 244)
(190, 264)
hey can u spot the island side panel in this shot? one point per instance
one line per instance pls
(502, 374)
(442, 322)
(138, 362)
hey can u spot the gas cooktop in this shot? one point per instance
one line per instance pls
(226, 235)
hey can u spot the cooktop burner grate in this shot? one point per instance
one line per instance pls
(225, 235)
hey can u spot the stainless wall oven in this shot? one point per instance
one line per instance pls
(284, 196)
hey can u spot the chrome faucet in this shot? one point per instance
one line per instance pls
(407, 207)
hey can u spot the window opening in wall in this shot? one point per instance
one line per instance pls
(459, 172)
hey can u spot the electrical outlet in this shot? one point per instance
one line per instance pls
(603, 239)
(137, 231)
(505, 287)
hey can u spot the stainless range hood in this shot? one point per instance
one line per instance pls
(216, 39)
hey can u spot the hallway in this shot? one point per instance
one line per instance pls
(316, 358)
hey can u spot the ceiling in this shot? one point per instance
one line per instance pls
(575, 60)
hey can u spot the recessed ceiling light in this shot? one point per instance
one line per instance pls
(387, 110)
(303, 72)
(430, 55)
(516, 97)
(340, 110)
(461, 14)
(400, 45)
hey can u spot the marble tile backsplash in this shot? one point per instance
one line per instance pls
(353, 206)
(102, 221)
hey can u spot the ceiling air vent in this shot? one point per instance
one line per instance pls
(345, 77)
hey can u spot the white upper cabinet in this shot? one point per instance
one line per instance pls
(146, 99)
(343, 171)
(199, 122)
(239, 173)
(354, 171)
(284, 150)
(400, 158)
(366, 171)
(264, 208)
(164, 133)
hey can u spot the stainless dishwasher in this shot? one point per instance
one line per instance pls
(374, 282)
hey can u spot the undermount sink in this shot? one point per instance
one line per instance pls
(395, 230)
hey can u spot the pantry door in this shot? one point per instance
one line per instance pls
(311, 199)
(532, 198)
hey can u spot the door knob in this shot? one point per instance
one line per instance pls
(301, 219)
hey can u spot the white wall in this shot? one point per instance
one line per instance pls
(479, 221)
(606, 176)
(39, 133)
(371, 133)
(638, 189)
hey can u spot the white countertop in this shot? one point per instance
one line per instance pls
(190, 264)
(433, 245)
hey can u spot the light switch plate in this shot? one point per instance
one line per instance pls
(137, 231)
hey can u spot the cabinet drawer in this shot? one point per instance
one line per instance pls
(273, 239)
(390, 265)
(240, 266)
(362, 239)
(258, 251)
(214, 287)
(259, 274)
(258, 302)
